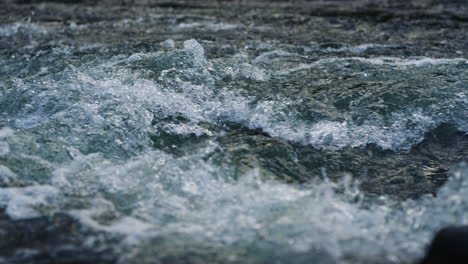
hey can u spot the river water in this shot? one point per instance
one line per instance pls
(191, 150)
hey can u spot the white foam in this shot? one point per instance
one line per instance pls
(126, 225)
(6, 132)
(168, 44)
(275, 54)
(13, 29)
(253, 73)
(208, 25)
(190, 92)
(197, 50)
(198, 195)
(187, 129)
(4, 148)
(411, 61)
(27, 202)
(217, 212)
(337, 135)
(391, 61)
(359, 48)
(154, 194)
(6, 175)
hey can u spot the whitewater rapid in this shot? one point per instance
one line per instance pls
(134, 144)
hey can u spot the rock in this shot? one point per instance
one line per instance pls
(450, 245)
(401, 175)
(254, 149)
(47, 240)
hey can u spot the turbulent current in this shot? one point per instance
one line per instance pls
(190, 150)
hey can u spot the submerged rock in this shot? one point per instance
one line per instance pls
(275, 159)
(450, 245)
(400, 175)
(47, 240)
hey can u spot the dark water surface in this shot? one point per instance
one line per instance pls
(231, 132)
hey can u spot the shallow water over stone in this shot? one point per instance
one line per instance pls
(182, 134)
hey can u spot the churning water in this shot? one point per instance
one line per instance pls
(189, 150)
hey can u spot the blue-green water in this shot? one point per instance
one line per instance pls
(154, 145)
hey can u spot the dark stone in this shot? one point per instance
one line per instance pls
(48, 240)
(384, 172)
(450, 245)
(401, 175)
(275, 158)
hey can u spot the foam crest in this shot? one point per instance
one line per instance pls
(13, 29)
(383, 61)
(185, 86)
(6, 176)
(198, 52)
(337, 135)
(186, 150)
(359, 48)
(415, 61)
(27, 202)
(190, 197)
(208, 26)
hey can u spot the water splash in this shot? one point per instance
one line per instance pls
(82, 137)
